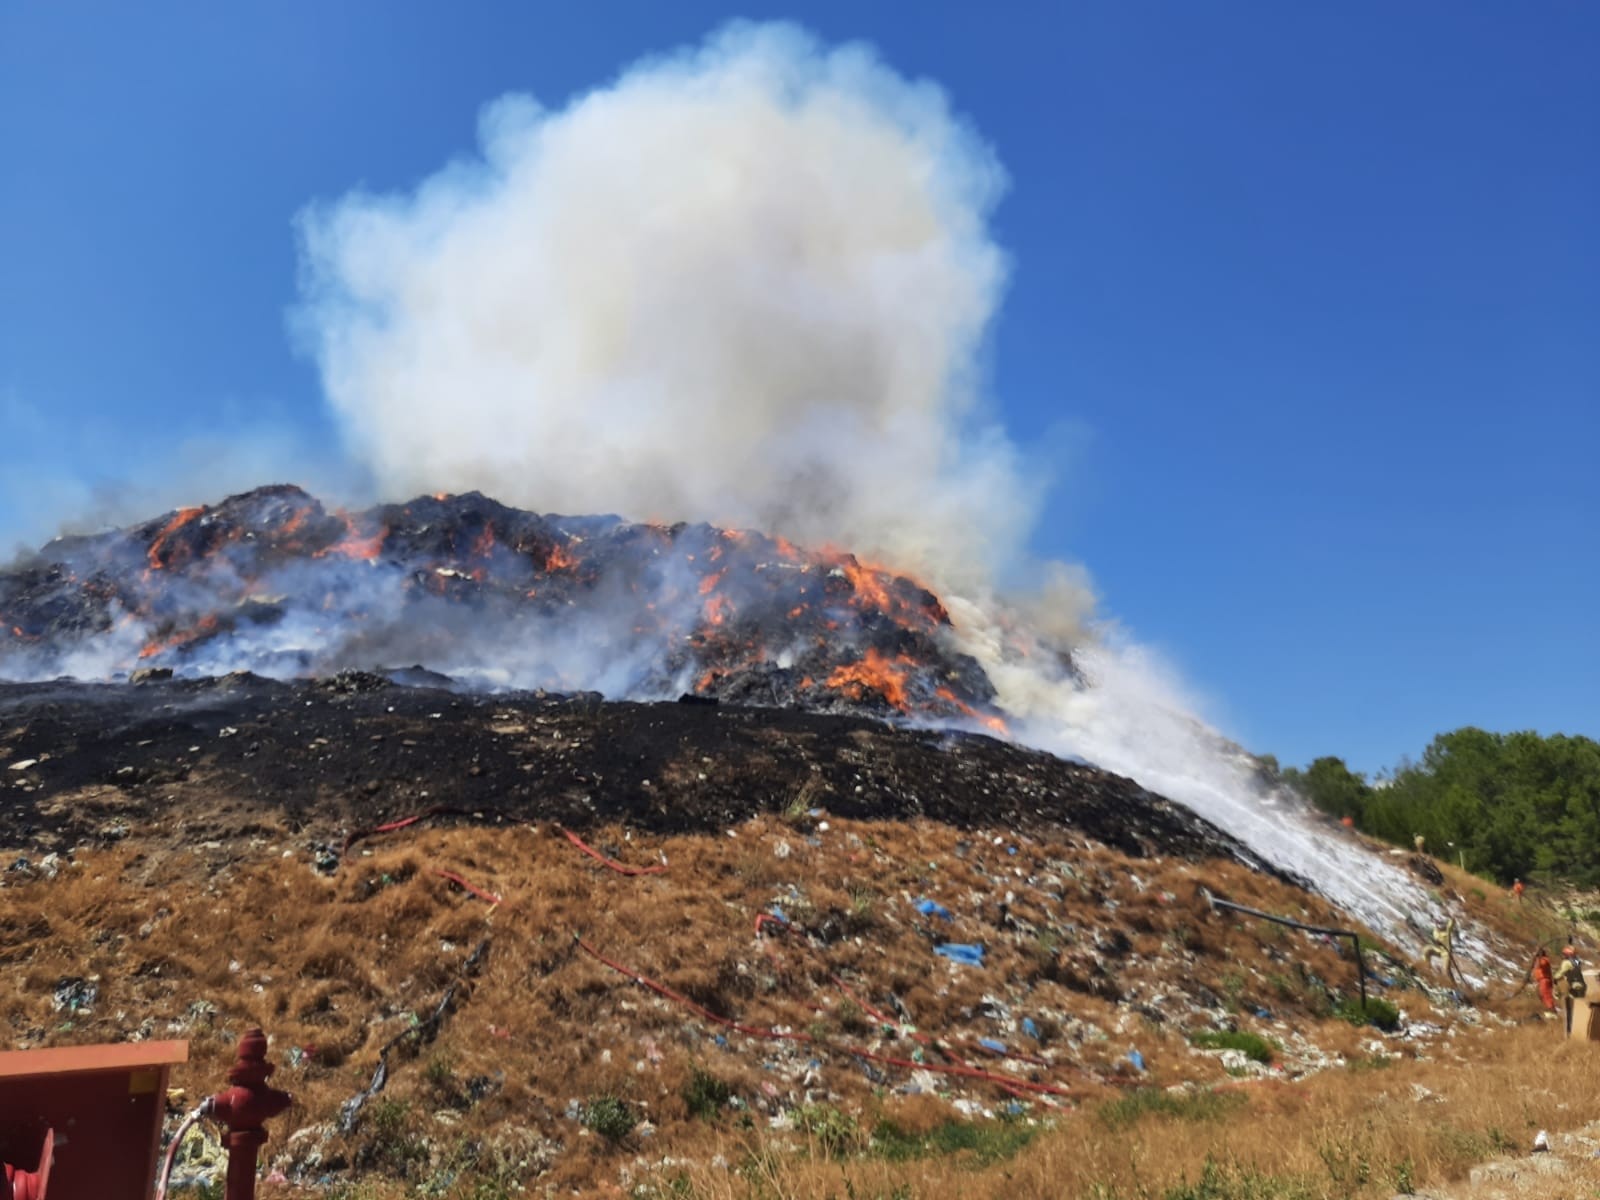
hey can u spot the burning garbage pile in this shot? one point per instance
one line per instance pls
(273, 582)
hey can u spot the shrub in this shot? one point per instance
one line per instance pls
(1251, 1045)
(610, 1117)
(705, 1094)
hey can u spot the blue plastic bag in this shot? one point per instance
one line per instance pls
(932, 908)
(971, 956)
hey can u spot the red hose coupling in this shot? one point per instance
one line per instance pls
(16, 1184)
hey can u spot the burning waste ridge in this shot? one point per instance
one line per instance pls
(499, 599)
(273, 582)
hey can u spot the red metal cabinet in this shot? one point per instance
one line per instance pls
(105, 1104)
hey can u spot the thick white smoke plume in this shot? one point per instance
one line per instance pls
(748, 283)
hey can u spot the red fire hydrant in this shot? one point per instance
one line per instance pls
(243, 1108)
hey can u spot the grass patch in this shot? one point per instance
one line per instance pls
(1251, 1045)
(983, 1142)
(391, 1142)
(610, 1117)
(1374, 1062)
(835, 1130)
(1182, 1106)
(1229, 1180)
(1377, 1012)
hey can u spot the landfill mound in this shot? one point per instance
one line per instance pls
(273, 582)
(546, 943)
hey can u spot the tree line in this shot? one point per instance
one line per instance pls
(1505, 805)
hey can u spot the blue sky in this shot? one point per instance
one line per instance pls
(1305, 308)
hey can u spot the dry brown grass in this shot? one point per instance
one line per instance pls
(1343, 1133)
(335, 967)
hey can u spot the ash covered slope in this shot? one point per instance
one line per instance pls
(223, 758)
(273, 582)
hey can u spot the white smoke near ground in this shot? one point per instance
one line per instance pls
(752, 283)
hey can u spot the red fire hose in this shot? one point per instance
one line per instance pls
(463, 884)
(613, 864)
(438, 810)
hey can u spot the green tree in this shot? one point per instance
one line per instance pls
(1332, 787)
(1509, 805)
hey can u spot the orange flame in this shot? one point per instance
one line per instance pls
(185, 515)
(718, 609)
(876, 672)
(558, 559)
(868, 586)
(183, 637)
(991, 721)
(296, 520)
(483, 544)
(711, 581)
(353, 545)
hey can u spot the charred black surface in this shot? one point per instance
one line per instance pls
(223, 758)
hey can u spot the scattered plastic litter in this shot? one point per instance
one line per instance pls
(1136, 1059)
(993, 1045)
(75, 995)
(971, 956)
(932, 908)
(1029, 1028)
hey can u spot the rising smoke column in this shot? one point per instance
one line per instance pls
(747, 283)
(750, 283)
